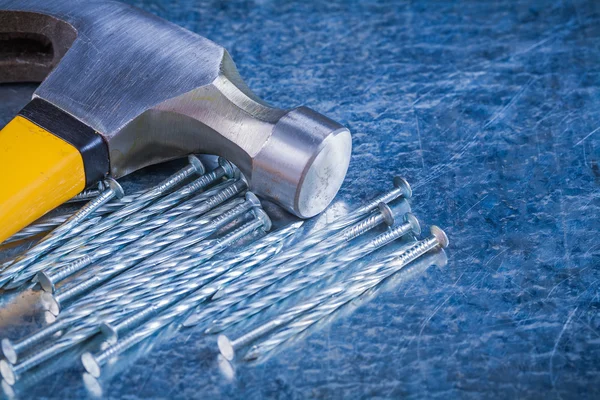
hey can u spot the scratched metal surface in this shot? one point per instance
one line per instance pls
(492, 111)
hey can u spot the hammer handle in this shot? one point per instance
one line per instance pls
(40, 171)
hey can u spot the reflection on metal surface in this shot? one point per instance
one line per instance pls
(309, 321)
(226, 368)
(93, 387)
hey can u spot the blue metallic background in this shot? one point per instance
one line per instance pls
(492, 111)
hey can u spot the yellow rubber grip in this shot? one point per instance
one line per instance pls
(38, 172)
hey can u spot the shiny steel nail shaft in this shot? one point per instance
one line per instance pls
(83, 314)
(142, 298)
(118, 242)
(85, 331)
(13, 350)
(77, 249)
(54, 238)
(93, 363)
(145, 247)
(128, 232)
(12, 372)
(78, 229)
(151, 270)
(261, 221)
(298, 252)
(77, 316)
(275, 270)
(194, 167)
(297, 257)
(199, 275)
(43, 225)
(326, 302)
(46, 224)
(86, 195)
(316, 274)
(114, 224)
(401, 189)
(190, 271)
(49, 278)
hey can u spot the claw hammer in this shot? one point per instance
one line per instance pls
(122, 89)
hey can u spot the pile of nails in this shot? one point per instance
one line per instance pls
(193, 251)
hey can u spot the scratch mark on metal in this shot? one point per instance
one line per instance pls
(419, 137)
(474, 205)
(587, 136)
(557, 342)
(512, 101)
(425, 324)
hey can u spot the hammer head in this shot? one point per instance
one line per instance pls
(154, 91)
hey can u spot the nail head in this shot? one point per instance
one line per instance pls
(50, 303)
(8, 373)
(440, 235)
(225, 347)
(9, 351)
(263, 217)
(401, 183)
(414, 223)
(45, 282)
(197, 164)
(110, 333)
(90, 364)
(116, 188)
(251, 197)
(228, 167)
(387, 213)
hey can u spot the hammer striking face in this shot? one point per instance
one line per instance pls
(122, 89)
